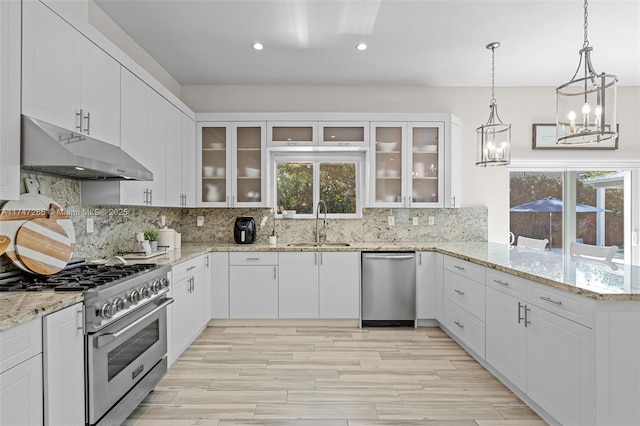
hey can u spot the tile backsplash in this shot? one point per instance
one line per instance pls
(115, 226)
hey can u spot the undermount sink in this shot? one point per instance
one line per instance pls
(325, 244)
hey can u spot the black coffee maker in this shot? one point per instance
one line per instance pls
(244, 232)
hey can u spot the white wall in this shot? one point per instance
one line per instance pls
(519, 106)
(120, 38)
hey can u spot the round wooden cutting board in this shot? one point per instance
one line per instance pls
(14, 214)
(43, 246)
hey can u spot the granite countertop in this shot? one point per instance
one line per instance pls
(20, 307)
(594, 280)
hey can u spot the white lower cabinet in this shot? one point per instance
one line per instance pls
(253, 285)
(426, 285)
(560, 374)
(298, 294)
(21, 394)
(63, 361)
(21, 375)
(219, 271)
(339, 285)
(463, 293)
(547, 356)
(189, 306)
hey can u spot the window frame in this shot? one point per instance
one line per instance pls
(357, 158)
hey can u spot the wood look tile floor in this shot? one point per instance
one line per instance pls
(320, 376)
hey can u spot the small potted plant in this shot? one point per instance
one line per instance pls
(152, 235)
(273, 237)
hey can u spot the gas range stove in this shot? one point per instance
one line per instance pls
(110, 291)
(78, 277)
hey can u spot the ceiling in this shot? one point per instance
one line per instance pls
(418, 42)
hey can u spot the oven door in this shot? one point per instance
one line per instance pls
(121, 354)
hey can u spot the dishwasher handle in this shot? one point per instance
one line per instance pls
(390, 256)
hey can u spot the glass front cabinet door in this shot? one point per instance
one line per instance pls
(231, 164)
(407, 164)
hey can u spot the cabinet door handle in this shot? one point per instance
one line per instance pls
(420, 259)
(275, 271)
(504, 283)
(321, 259)
(458, 291)
(520, 306)
(206, 261)
(526, 315)
(453, 201)
(88, 117)
(80, 318)
(81, 117)
(458, 267)
(548, 299)
(150, 196)
(315, 258)
(459, 324)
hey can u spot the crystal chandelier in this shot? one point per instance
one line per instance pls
(586, 105)
(494, 137)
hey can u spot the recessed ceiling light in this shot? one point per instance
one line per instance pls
(258, 46)
(361, 46)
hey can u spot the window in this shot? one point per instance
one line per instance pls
(301, 181)
(583, 206)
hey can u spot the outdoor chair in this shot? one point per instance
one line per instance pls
(531, 243)
(589, 252)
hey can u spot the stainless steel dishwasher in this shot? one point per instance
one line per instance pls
(388, 288)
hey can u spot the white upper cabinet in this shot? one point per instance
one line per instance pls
(343, 133)
(10, 25)
(66, 79)
(173, 160)
(413, 164)
(231, 164)
(189, 160)
(294, 133)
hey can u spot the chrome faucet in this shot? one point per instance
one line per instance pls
(324, 222)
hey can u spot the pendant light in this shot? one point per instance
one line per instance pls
(494, 137)
(586, 105)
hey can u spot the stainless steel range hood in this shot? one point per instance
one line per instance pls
(50, 149)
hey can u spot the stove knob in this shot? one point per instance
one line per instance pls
(144, 292)
(164, 282)
(118, 304)
(134, 297)
(105, 310)
(156, 286)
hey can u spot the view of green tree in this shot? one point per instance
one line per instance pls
(338, 187)
(295, 187)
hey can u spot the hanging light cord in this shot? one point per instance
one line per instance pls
(493, 75)
(586, 25)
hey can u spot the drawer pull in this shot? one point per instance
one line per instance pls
(548, 299)
(458, 324)
(253, 258)
(458, 267)
(459, 292)
(501, 282)
(191, 268)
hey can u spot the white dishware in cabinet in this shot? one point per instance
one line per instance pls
(414, 164)
(231, 164)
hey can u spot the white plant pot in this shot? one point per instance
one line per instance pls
(273, 239)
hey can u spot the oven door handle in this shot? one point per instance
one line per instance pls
(106, 338)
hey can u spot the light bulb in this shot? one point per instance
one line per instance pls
(586, 109)
(572, 121)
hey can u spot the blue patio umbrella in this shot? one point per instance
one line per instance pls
(552, 205)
